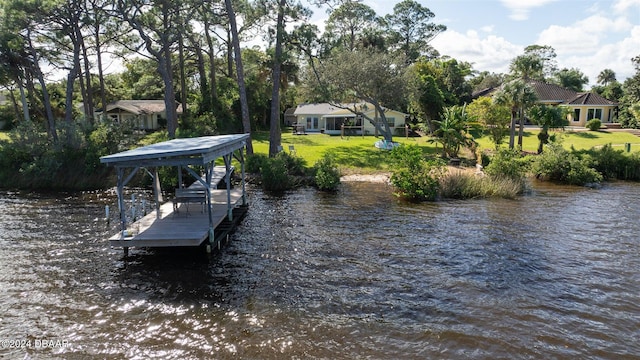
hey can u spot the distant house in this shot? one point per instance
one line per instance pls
(144, 114)
(328, 119)
(584, 105)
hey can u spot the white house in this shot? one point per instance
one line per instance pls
(328, 119)
(144, 114)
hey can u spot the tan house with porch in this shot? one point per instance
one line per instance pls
(585, 105)
(143, 114)
(329, 119)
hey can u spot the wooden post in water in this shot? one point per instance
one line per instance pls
(157, 191)
(227, 165)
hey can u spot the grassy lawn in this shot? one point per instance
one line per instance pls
(579, 139)
(357, 153)
(354, 152)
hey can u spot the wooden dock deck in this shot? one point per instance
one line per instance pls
(193, 216)
(189, 226)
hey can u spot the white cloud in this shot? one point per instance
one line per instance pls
(487, 53)
(582, 37)
(622, 6)
(520, 8)
(488, 28)
(616, 56)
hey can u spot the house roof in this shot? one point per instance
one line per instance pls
(315, 109)
(140, 107)
(328, 110)
(590, 99)
(552, 93)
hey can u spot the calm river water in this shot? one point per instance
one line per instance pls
(555, 274)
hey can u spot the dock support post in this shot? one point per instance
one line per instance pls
(227, 165)
(157, 191)
(120, 193)
(244, 188)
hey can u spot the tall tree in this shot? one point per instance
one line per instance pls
(527, 67)
(349, 22)
(411, 29)
(546, 55)
(606, 76)
(244, 104)
(494, 118)
(631, 99)
(373, 77)
(572, 79)
(518, 96)
(155, 23)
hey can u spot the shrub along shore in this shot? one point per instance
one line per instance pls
(28, 161)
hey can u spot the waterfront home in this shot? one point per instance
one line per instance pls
(584, 106)
(144, 114)
(329, 119)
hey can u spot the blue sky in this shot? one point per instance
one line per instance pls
(589, 35)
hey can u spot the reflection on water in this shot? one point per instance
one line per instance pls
(360, 274)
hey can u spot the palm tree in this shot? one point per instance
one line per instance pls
(518, 96)
(451, 131)
(606, 76)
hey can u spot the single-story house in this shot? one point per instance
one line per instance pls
(584, 105)
(328, 119)
(144, 114)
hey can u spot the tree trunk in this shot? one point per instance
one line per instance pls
(230, 48)
(46, 101)
(244, 104)
(212, 64)
(103, 94)
(183, 80)
(274, 128)
(164, 68)
(205, 104)
(521, 131)
(512, 134)
(88, 100)
(23, 100)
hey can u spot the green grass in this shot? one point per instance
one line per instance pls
(354, 152)
(580, 140)
(357, 153)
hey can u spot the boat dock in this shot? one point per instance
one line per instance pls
(199, 213)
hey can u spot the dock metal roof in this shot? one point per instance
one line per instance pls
(185, 151)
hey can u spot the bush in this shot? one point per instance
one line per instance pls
(414, 177)
(254, 163)
(508, 164)
(327, 175)
(594, 124)
(296, 166)
(560, 165)
(274, 175)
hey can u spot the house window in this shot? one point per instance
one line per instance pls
(576, 115)
(390, 120)
(312, 123)
(594, 114)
